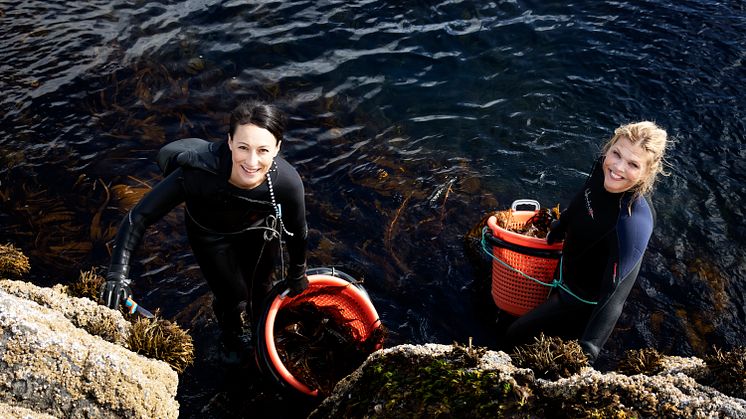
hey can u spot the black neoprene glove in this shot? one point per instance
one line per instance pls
(556, 232)
(116, 289)
(297, 281)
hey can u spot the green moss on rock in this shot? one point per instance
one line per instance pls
(430, 386)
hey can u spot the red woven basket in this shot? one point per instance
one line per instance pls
(323, 290)
(511, 291)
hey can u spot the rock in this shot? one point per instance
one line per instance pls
(16, 412)
(83, 313)
(51, 365)
(451, 381)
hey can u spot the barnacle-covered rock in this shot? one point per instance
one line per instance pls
(53, 363)
(453, 381)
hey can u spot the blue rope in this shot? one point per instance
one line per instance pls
(556, 283)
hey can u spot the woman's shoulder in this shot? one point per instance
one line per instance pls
(640, 218)
(286, 172)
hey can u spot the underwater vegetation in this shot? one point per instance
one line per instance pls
(65, 227)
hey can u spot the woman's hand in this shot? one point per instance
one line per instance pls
(556, 233)
(116, 289)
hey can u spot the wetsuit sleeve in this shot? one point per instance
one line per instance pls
(633, 234)
(166, 195)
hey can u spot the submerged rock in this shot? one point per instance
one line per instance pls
(452, 381)
(51, 363)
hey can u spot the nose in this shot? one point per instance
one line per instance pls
(253, 158)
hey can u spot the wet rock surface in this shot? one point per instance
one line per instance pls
(452, 381)
(51, 364)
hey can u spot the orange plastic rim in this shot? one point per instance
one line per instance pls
(354, 305)
(518, 219)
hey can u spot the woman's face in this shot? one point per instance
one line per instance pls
(252, 151)
(625, 165)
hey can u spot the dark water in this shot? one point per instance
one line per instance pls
(388, 103)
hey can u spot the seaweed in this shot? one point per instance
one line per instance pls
(319, 346)
(550, 357)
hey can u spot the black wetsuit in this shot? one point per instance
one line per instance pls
(602, 254)
(226, 225)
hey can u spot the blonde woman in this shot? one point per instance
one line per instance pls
(606, 229)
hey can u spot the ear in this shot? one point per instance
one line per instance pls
(277, 149)
(230, 142)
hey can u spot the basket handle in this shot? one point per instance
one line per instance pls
(532, 202)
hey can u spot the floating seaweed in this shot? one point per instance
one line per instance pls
(319, 346)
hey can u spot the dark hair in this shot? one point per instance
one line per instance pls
(262, 115)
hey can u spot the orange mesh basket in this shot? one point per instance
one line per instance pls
(323, 290)
(511, 291)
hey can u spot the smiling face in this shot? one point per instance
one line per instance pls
(625, 166)
(252, 151)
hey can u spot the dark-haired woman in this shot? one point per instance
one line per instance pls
(241, 199)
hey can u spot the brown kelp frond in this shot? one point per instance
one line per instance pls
(13, 262)
(641, 361)
(163, 340)
(87, 286)
(727, 371)
(550, 357)
(127, 196)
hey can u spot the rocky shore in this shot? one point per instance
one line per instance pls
(62, 356)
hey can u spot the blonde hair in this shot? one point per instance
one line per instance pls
(651, 138)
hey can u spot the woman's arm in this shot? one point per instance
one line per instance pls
(633, 233)
(166, 195)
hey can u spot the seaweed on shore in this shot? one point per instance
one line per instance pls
(641, 361)
(727, 371)
(550, 357)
